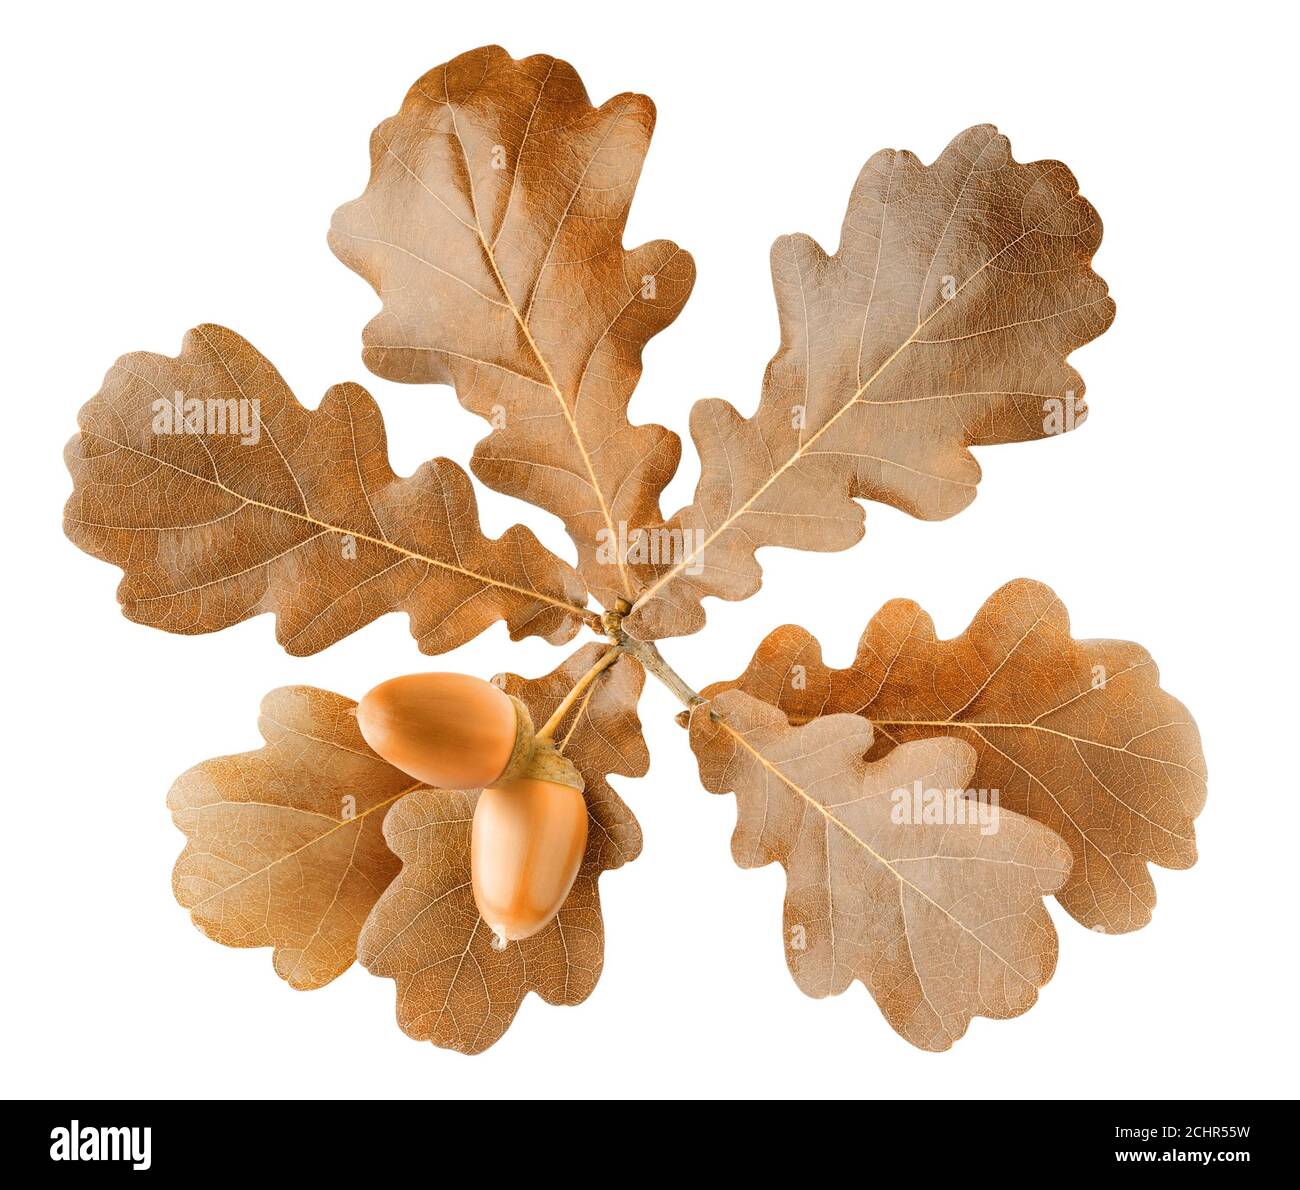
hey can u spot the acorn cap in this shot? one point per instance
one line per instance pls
(547, 764)
(523, 749)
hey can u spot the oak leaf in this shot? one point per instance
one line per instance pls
(941, 920)
(1075, 734)
(492, 229)
(222, 497)
(285, 846)
(453, 987)
(942, 322)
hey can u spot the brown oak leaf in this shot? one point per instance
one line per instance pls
(942, 322)
(1075, 734)
(492, 230)
(285, 846)
(941, 920)
(425, 933)
(221, 497)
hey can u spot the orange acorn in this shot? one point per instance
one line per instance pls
(528, 840)
(451, 731)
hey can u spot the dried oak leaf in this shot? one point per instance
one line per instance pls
(942, 322)
(425, 933)
(940, 921)
(221, 497)
(492, 230)
(285, 846)
(1077, 735)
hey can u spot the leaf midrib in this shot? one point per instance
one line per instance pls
(801, 450)
(860, 842)
(489, 253)
(339, 825)
(325, 526)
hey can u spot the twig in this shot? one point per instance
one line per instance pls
(647, 652)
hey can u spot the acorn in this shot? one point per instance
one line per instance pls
(451, 731)
(529, 833)
(527, 843)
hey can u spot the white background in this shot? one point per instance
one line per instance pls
(166, 166)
